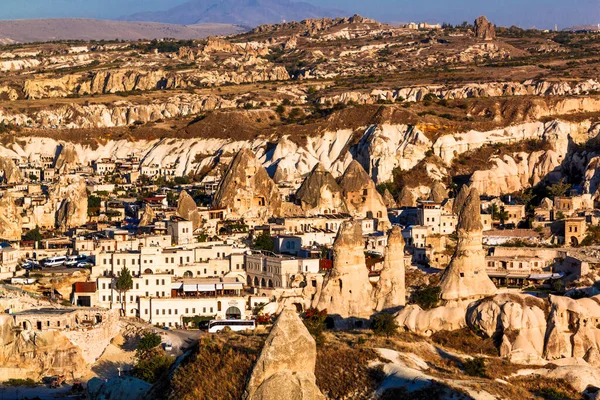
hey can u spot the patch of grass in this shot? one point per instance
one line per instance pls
(342, 372)
(546, 388)
(217, 368)
(466, 341)
(20, 382)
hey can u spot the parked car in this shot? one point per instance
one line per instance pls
(84, 264)
(168, 346)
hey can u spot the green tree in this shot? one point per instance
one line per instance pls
(384, 325)
(475, 367)
(151, 368)
(558, 189)
(149, 341)
(264, 241)
(124, 284)
(33, 235)
(427, 297)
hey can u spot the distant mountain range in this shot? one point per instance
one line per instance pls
(248, 13)
(43, 30)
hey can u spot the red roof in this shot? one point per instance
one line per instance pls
(85, 287)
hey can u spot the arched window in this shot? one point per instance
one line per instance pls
(188, 274)
(263, 283)
(218, 306)
(270, 283)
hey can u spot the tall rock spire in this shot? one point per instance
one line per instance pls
(466, 277)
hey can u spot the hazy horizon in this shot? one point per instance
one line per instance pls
(526, 14)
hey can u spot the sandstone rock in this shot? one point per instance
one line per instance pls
(320, 193)
(438, 192)
(10, 219)
(69, 198)
(390, 293)
(188, 209)
(546, 204)
(148, 217)
(407, 198)
(388, 199)
(484, 29)
(286, 366)
(466, 277)
(520, 321)
(67, 159)
(246, 190)
(572, 327)
(9, 172)
(459, 200)
(427, 322)
(346, 292)
(362, 198)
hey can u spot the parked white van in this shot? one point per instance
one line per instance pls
(236, 325)
(54, 261)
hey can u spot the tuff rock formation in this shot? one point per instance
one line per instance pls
(406, 198)
(9, 172)
(246, 190)
(320, 193)
(346, 292)
(466, 277)
(438, 192)
(10, 219)
(188, 209)
(573, 329)
(390, 293)
(459, 200)
(517, 321)
(362, 198)
(67, 204)
(484, 29)
(67, 159)
(388, 199)
(148, 216)
(414, 319)
(285, 369)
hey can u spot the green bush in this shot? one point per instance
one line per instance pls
(149, 369)
(384, 325)
(475, 367)
(314, 320)
(427, 297)
(148, 342)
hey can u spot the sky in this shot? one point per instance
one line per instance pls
(523, 13)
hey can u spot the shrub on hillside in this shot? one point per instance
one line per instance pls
(384, 325)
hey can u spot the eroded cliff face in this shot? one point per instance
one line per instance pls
(66, 206)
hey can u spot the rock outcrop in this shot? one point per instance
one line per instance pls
(246, 190)
(388, 199)
(484, 29)
(67, 159)
(516, 321)
(285, 368)
(9, 172)
(459, 200)
(188, 209)
(346, 292)
(148, 217)
(390, 293)
(466, 277)
(427, 322)
(320, 193)
(407, 198)
(10, 219)
(438, 192)
(573, 328)
(69, 198)
(361, 196)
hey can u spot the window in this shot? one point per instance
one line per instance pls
(164, 311)
(103, 298)
(204, 309)
(169, 311)
(163, 282)
(146, 311)
(211, 309)
(157, 311)
(176, 311)
(137, 286)
(193, 311)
